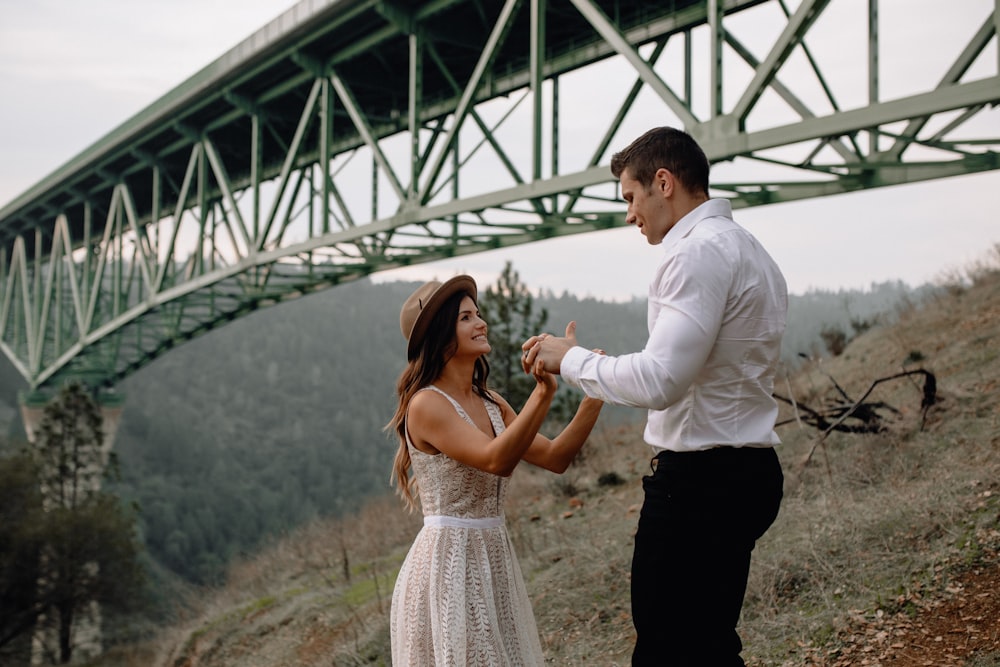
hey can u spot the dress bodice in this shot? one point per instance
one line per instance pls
(448, 487)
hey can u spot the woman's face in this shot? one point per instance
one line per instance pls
(470, 330)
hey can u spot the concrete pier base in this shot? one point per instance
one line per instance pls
(86, 637)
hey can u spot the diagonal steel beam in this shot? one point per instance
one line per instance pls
(797, 25)
(612, 36)
(500, 29)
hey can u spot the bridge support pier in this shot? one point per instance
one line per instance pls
(86, 636)
(111, 407)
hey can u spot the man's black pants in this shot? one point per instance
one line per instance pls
(702, 514)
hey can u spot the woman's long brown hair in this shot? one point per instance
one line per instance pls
(434, 352)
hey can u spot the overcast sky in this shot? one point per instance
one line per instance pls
(71, 71)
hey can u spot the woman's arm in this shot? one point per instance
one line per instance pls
(556, 454)
(432, 420)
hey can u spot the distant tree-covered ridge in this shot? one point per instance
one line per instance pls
(277, 418)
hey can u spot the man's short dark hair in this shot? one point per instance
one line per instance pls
(667, 148)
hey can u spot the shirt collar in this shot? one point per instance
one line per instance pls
(708, 209)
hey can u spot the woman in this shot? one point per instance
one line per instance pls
(460, 598)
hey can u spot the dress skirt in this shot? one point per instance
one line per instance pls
(460, 600)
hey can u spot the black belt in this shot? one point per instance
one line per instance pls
(708, 455)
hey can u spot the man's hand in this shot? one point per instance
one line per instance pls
(548, 349)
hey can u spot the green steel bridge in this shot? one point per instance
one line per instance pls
(349, 137)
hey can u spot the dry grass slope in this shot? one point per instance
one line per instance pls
(885, 552)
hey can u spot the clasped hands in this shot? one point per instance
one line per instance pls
(548, 349)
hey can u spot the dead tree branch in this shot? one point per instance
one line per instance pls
(834, 418)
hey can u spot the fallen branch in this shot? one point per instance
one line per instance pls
(866, 413)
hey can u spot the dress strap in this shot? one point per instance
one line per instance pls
(455, 403)
(406, 430)
(492, 409)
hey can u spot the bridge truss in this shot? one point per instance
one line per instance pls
(349, 137)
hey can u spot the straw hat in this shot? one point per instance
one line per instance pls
(419, 309)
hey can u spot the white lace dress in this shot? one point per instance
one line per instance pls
(460, 599)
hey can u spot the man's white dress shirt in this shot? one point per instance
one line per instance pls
(717, 307)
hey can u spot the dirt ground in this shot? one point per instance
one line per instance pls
(959, 629)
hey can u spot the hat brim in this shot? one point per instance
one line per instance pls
(429, 306)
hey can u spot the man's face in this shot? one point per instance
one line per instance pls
(648, 208)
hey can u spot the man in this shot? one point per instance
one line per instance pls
(716, 314)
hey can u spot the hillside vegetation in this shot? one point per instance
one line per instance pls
(275, 419)
(885, 551)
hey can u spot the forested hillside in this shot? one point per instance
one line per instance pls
(277, 418)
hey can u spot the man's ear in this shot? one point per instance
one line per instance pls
(663, 181)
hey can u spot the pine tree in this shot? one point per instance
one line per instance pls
(89, 546)
(508, 309)
(20, 544)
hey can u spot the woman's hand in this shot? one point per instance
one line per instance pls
(543, 379)
(548, 348)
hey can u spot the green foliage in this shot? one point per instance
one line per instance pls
(20, 544)
(71, 544)
(258, 605)
(835, 339)
(508, 309)
(861, 325)
(91, 554)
